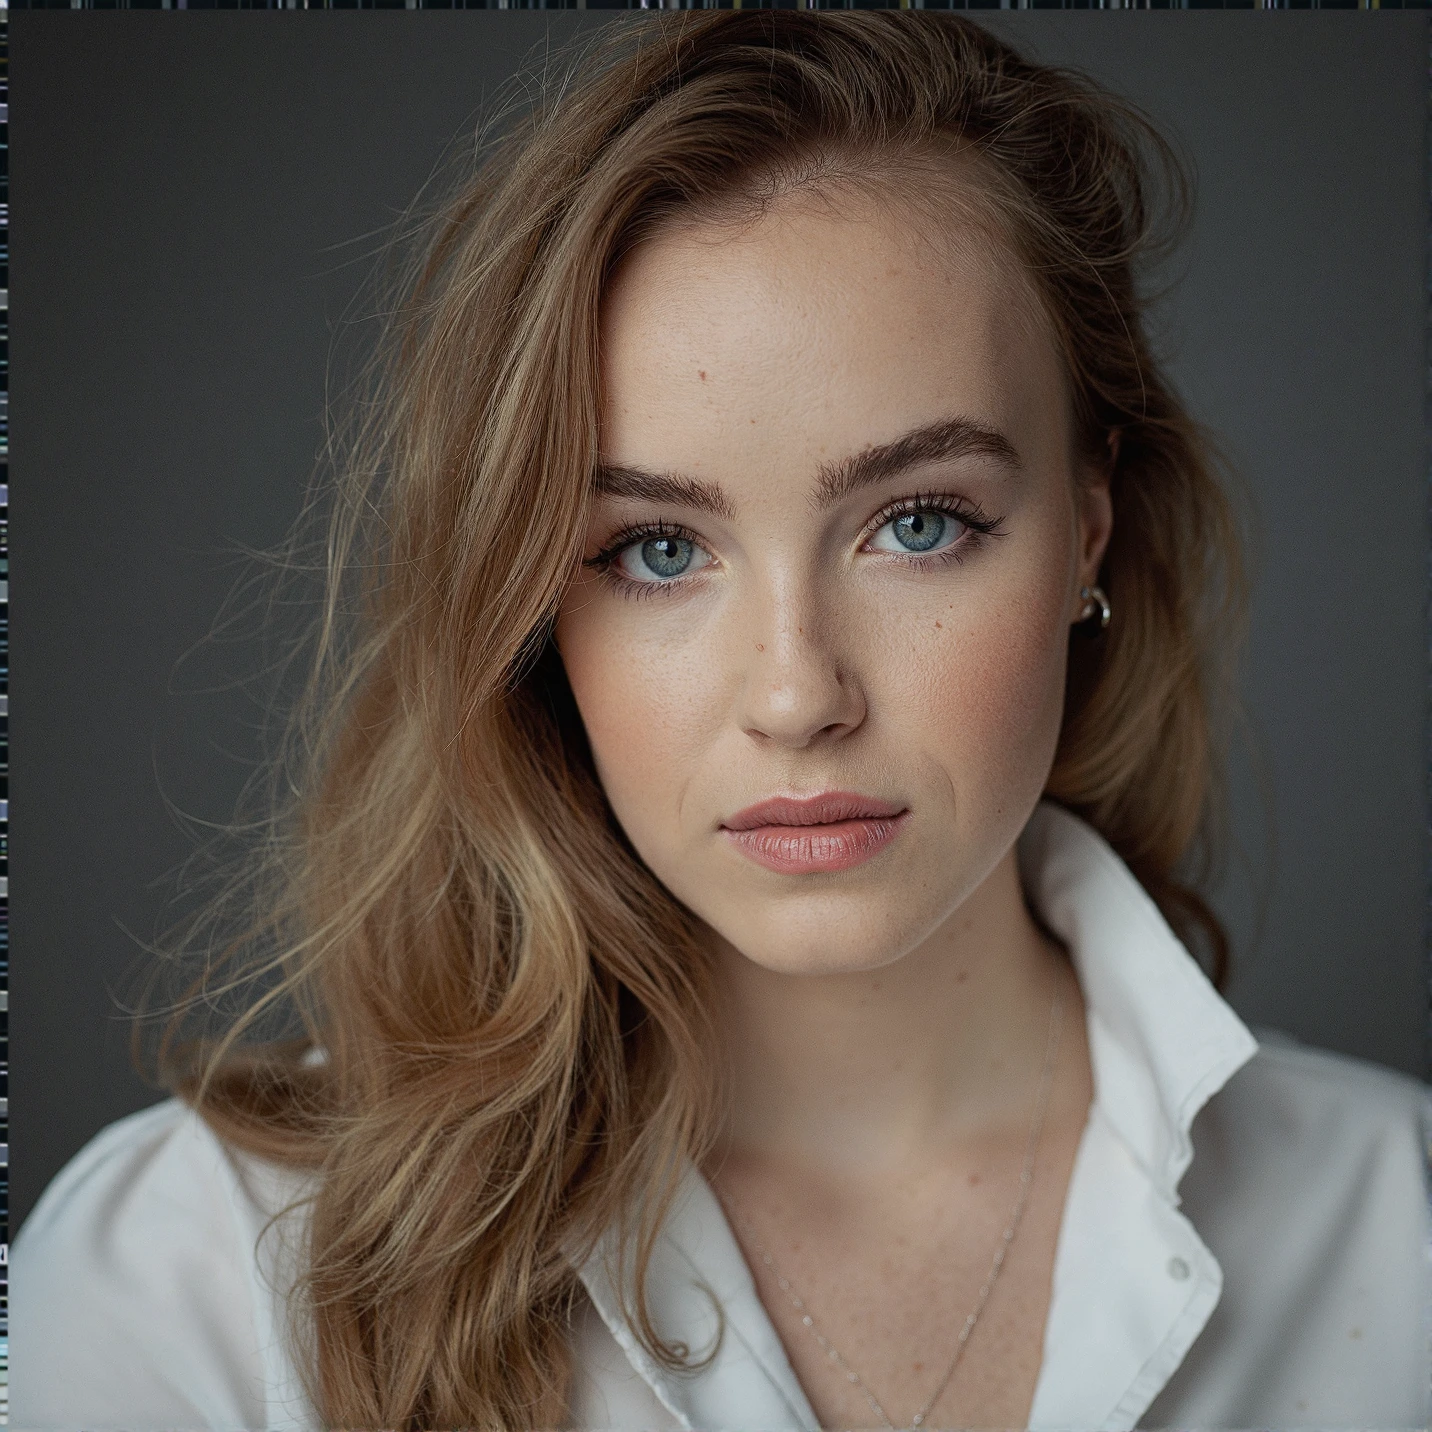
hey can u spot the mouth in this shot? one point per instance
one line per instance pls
(806, 835)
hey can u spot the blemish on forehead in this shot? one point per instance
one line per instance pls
(701, 372)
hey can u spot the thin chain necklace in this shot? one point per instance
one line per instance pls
(1026, 1177)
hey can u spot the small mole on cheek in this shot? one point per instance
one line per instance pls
(760, 647)
(702, 373)
(940, 627)
(974, 1179)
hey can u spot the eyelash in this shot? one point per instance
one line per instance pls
(978, 526)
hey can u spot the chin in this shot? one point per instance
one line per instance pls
(817, 962)
(825, 934)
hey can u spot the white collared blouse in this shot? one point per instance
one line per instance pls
(1245, 1242)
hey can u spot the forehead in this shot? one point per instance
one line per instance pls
(816, 331)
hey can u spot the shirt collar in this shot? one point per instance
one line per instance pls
(1162, 1040)
(1161, 1043)
(700, 1294)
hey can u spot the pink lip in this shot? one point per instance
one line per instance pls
(801, 836)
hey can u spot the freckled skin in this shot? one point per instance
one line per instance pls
(883, 1025)
(794, 663)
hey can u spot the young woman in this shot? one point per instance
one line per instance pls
(734, 891)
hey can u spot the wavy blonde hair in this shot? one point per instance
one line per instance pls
(514, 1010)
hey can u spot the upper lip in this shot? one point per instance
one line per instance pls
(819, 809)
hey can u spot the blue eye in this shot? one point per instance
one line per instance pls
(923, 530)
(660, 558)
(666, 556)
(919, 531)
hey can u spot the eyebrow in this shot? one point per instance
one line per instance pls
(934, 442)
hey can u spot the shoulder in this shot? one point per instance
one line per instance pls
(138, 1290)
(1310, 1182)
(1297, 1094)
(1309, 1185)
(1343, 1132)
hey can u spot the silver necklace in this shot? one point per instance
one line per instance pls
(1026, 1177)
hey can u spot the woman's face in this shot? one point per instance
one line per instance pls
(836, 551)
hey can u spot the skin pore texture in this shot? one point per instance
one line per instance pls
(884, 1024)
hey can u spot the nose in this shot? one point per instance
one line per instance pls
(797, 690)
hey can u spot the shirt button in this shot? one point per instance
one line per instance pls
(1178, 1269)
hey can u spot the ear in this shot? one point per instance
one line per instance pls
(1095, 513)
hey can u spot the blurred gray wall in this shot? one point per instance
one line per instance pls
(197, 199)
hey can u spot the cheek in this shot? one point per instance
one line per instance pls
(641, 701)
(986, 686)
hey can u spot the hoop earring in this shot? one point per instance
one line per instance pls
(1094, 597)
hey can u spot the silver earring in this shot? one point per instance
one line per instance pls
(1093, 597)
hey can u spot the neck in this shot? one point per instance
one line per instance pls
(872, 1069)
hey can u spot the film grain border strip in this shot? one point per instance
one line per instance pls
(1427, 629)
(5, 5)
(716, 4)
(4, 714)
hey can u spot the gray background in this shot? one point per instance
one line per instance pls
(197, 199)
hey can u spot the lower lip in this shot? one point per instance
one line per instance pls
(808, 849)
